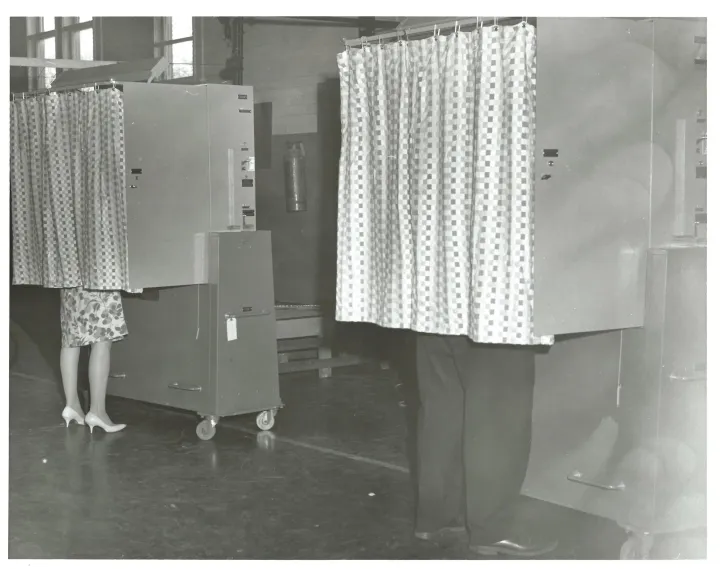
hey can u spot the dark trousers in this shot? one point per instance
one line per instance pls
(474, 430)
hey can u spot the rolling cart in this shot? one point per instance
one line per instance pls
(208, 348)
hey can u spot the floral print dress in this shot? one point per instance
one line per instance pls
(91, 316)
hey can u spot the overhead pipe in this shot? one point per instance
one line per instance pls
(467, 23)
(321, 22)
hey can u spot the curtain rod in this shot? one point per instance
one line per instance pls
(446, 25)
(66, 88)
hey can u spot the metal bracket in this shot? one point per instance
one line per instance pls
(578, 478)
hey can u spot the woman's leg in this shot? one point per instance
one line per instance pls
(99, 371)
(69, 358)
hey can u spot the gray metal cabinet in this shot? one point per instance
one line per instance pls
(592, 173)
(190, 160)
(208, 348)
(635, 453)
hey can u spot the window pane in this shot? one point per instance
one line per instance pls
(85, 39)
(181, 27)
(84, 19)
(46, 49)
(46, 75)
(48, 24)
(182, 52)
(181, 59)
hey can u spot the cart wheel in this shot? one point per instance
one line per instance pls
(265, 420)
(205, 430)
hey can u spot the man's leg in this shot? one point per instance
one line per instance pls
(499, 382)
(440, 418)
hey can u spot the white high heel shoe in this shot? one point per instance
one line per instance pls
(92, 421)
(69, 414)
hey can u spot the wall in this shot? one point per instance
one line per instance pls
(18, 48)
(126, 39)
(294, 69)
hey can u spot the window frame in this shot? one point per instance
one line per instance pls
(67, 42)
(162, 30)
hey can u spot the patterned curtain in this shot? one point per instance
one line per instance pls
(67, 184)
(435, 213)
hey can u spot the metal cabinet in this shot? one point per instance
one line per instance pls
(627, 440)
(190, 160)
(592, 173)
(208, 348)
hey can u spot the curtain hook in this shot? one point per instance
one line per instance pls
(495, 23)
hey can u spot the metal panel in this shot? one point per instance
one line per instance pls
(680, 91)
(165, 358)
(574, 415)
(246, 367)
(168, 197)
(190, 169)
(594, 107)
(642, 464)
(232, 157)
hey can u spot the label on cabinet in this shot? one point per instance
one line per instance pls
(231, 324)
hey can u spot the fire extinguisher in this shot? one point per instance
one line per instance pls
(295, 186)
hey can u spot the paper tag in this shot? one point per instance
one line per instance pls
(231, 324)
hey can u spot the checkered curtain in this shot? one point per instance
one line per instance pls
(67, 184)
(435, 214)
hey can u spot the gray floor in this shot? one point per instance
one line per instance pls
(331, 483)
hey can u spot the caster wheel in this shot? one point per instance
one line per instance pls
(265, 420)
(205, 430)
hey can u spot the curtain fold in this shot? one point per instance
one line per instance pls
(67, 184)
(435, 205)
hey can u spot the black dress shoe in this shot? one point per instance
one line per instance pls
(514, 548)
(443, 534)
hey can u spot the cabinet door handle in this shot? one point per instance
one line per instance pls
(248, 314)
(185, 387)
(686, 378)
(578, 478)
(117, 376)
(696, 373)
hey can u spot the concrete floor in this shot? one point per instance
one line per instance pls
(331, 482)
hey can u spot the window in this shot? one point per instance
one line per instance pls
(175, 39)
(58, 38)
